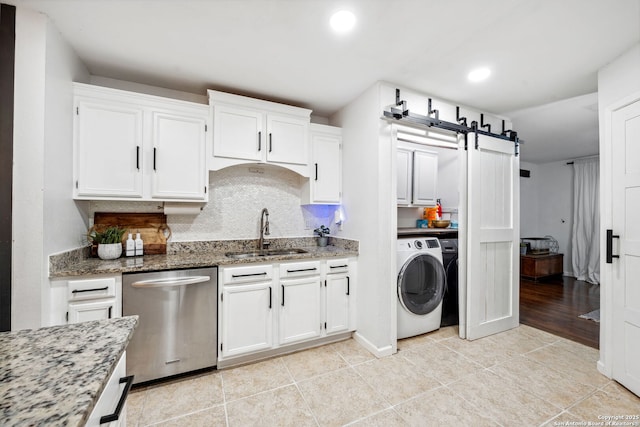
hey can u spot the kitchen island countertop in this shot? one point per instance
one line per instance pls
(54, 376)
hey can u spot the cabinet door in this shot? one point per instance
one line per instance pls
(108, 148)
(299, 309)
(238, 133)
(108, 401)
(178, 156)
(327, 171)
(91, 310)
(338, 294)
(425, 174)
(246, 318)
(404, 166)
(287, 140)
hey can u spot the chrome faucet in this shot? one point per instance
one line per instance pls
(264, 229)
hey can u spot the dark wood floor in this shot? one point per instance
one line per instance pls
(554, 304)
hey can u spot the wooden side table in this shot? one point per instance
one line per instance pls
(537, 266)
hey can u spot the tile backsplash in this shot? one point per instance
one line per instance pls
(236, 198)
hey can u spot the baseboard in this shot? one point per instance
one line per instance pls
(603, 369)
(376, 351)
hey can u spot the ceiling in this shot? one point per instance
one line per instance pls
(541, 52)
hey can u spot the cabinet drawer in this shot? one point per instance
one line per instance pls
(249, 273)
(339, 265)
(79, 290)
(299, 269)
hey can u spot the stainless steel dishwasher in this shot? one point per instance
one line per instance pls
(177, 329)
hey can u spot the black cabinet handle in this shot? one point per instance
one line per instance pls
(348, 286)
(154, 158)
(78, 291)
(282, 286)
(301, 270)
(316, 171)
(260, 141)
(249, 275)
(610, 255)
(339, 266)
(138, 157)
(123, 398)
(110, 308)
(269, 142)
(270, 292)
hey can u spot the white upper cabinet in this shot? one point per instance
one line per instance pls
(248, 130)
(417, 179)
(130, 146)
(425, 177)
(179, 156)
(108, 148)
(325, 180)
(237, 133)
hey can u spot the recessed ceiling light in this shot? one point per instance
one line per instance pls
(342, 21)
(479, 74)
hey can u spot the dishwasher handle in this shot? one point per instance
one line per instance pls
(170, 282)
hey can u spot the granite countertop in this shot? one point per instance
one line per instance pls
(54, 376)
(203, 254)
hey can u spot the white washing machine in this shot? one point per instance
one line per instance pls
(421, 284)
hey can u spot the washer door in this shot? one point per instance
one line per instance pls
(421, 283)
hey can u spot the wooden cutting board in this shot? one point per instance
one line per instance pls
(152, 227)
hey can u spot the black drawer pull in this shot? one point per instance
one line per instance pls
(338, 266)
(301, 270)
(260, 141)
(282, 295)
(77, 291)
(270, 292)
(123, 398)
(249, 275)
(348, 285)
(138, 157)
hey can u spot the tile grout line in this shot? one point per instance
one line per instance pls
(304, 399)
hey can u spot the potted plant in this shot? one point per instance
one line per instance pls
(109, 241)
(322, 231)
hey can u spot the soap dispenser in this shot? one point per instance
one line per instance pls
(139, 245)
(131, 246)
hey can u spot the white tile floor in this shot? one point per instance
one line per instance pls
(523, 377)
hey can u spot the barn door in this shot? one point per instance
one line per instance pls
(624, 245)
(493, 236)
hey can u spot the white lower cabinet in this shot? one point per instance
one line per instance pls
(110, 409)
(82, 299)
(300, 302)
(247, 312)
(267, 307)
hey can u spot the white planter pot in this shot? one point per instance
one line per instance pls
(109, 251)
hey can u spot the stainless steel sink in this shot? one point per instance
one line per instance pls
(265, 252)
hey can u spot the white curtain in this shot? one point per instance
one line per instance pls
(585, 240)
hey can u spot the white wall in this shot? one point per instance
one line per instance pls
(367, 208)
(546, 205)
(28, 168)
(45, 219)
(529, 203)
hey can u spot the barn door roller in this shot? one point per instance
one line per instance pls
(400, 113)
